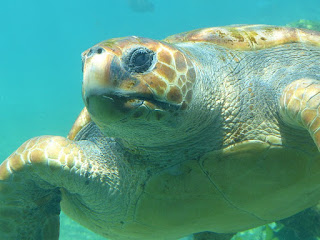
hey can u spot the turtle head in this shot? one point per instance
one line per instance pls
(134, 86)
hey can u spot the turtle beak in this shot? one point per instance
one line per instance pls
(97, 82)
(96, 71)
(104, 75)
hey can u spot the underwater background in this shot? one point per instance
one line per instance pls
(41, 43)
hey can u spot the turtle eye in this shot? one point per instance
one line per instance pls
(139, 60)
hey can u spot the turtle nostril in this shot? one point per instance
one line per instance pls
(94, 50)
(90, 53)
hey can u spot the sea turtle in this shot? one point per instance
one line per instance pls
(215, 129)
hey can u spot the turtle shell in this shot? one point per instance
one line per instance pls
(248, 37)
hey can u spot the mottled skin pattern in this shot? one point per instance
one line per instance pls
(212, 130)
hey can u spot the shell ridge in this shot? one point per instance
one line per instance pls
(248, 37)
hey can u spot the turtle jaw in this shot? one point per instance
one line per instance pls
(112, 107)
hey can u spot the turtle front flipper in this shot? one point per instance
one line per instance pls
(300, 106)
(31, 180)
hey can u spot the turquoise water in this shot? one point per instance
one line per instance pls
(41, 43)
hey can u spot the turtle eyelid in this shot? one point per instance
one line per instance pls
(139, 60)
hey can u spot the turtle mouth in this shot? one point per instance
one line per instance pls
(134, 100)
